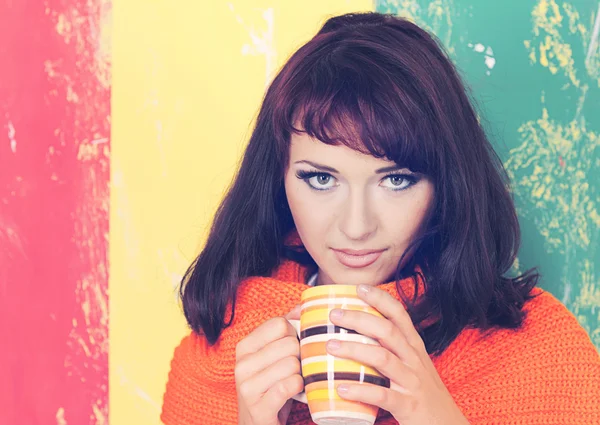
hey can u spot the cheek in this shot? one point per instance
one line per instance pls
(406, 226)
(424, 209)
(308, 214)
(310, 218)
(304, 207)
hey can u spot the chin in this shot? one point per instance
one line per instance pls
(352, 277)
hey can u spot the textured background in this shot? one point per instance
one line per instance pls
(54, 202)
(534, 70)
(121, 125)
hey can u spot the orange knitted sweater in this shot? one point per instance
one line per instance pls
(547, 372)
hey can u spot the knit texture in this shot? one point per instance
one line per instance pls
(547, 372)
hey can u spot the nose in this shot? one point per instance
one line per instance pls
(357, 220)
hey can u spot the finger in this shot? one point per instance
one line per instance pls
(294, 312)
(379, 328)
(394, 310)
(281, 392)
(255, 387)
(385, 398)
(379, 358)
(251, 365)
(267, 332)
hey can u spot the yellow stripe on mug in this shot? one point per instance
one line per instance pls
(329, 291)
(328, 394)
(321, 315)
(338, 365)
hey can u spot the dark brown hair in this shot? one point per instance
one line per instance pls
(383, 86)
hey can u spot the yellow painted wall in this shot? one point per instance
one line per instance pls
(188, 78)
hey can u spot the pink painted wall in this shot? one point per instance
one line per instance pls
(54, 176)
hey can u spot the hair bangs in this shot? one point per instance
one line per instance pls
(340, 103)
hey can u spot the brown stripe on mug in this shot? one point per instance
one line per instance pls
(348, 376)
(325, 330)
(325, 385)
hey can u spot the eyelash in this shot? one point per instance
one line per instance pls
(306, 175)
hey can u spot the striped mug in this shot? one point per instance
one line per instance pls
(323, 372)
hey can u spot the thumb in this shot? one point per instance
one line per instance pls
(294, 313)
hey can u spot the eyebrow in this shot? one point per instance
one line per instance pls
(333, 170)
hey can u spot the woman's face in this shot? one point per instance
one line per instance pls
(344, 200)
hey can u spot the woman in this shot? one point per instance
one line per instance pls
(368, 166)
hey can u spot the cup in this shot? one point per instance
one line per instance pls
(324, 372)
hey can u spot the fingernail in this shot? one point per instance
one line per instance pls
(333, 344)
(342, 388)
(337, 313)
(364, 289)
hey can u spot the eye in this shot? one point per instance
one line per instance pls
(316, 180)
(400, 181)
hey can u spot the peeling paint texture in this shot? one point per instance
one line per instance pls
(54, 175)
(538, 91)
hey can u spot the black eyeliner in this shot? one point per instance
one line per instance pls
(306, 175)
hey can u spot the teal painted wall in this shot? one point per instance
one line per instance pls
(533, 68)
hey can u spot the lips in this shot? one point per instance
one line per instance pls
(357, 258)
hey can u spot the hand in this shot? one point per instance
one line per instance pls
(417, 394)
(267, 372)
